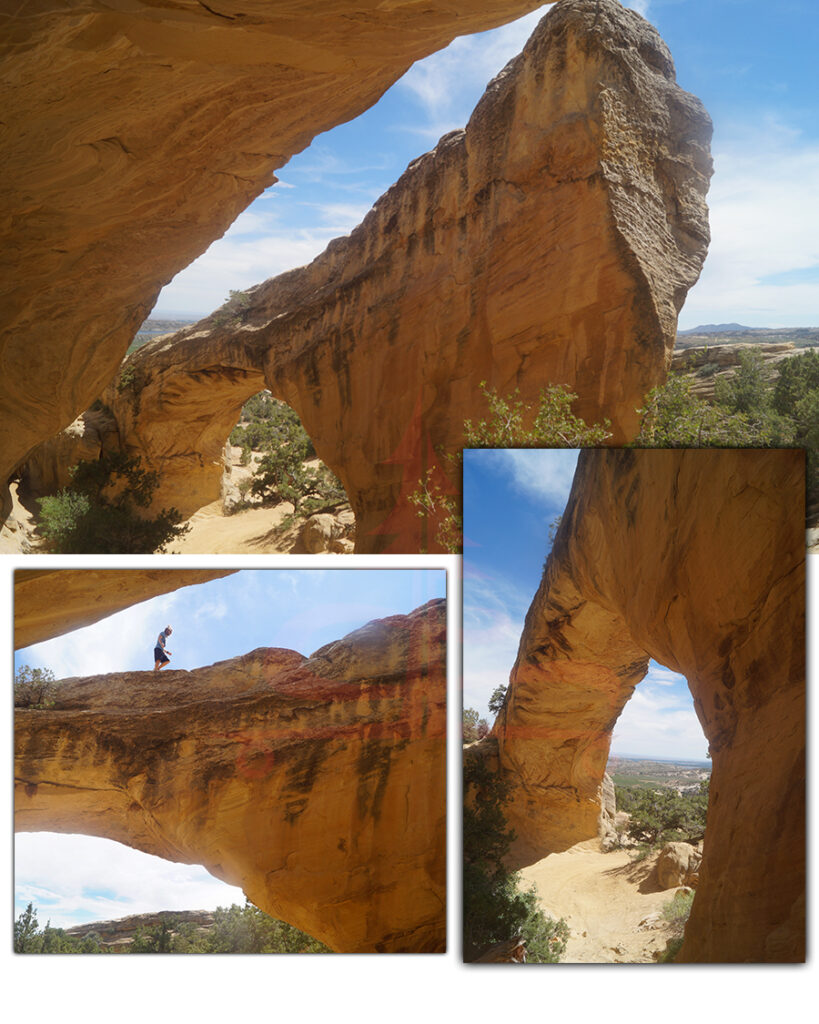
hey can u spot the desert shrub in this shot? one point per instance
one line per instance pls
(752, 408)
(97, 513)
(497, 699)
(29, 938)
(235, 930)
(34, 687)
(494, 908)
(660, 816)
(676, 912)
(232, 311)
(474, 727)
(510, 424)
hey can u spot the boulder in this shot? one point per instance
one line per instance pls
(678, 864)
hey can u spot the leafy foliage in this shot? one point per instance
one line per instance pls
(28, 938)
(753, 408)
(274, 428)
(34, 687)
(677, 912)
(510, 424)
(474, 727)
(232, 311)
(663, 815)
(235, 930)
(97, 513)
(493, 906)
(497, 699)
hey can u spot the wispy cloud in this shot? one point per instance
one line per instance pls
(73, 879)
(447, 85)
(765, 231)
(659, 720)
(119, 643)
(543, 474)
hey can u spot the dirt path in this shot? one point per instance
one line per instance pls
(251, 531)
(603, 897)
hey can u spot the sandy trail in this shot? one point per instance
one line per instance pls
(603, 897)
(252, 531)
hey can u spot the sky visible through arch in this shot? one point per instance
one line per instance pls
(510, 498)
(751, 62)
(74, 879)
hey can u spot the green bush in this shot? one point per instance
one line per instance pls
(494, 909)
(34, 687)
(752, 408)
(97, 513)
(510, 424)
(28, 938)
(660, 816)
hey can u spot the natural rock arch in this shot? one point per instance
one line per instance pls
(696, 559)
(551, 241)
(136, 134)
(316, 784)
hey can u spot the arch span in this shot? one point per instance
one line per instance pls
(695, 559)
(515, 253)
(316, 784)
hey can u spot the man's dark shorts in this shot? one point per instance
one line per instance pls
(160, 656)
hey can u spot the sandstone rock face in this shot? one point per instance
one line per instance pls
(678, 864)
(552, 241)
(136, 133)
(116, 936)
(316, 784)
(695, 559)
(50, 602)
(706, 365)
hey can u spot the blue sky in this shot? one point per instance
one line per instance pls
(510, 498)
(73, 879)
(751, 62)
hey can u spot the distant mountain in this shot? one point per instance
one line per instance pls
(719, 329)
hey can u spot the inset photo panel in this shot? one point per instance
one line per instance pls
(634, 706)
(230, 761)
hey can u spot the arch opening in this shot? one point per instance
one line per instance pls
(671, 555)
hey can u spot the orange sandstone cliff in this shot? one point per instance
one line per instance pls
(695, 559)
(316, 784)
(552, 241)
(134, 133)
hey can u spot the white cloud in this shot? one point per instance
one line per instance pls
(764, 223)
(119, 643)
(659, 720)
(493, 617)
(544, 474)
(72, 879)
(640, 6)
(448, 84)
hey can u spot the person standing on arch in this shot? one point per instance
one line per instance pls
(162, 657)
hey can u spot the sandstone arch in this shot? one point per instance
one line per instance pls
(552, 241)
(695, 559)
(50, 602)
(135, 135)
(316, 784)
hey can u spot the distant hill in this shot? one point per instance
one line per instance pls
(715, 329)
(153, 328)
(732, 334)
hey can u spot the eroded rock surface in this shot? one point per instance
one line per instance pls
(551, 241)
(316, 784)
(50, 602)
(135, 133)
(695, 559)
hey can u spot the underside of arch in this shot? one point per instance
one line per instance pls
(695, 559)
